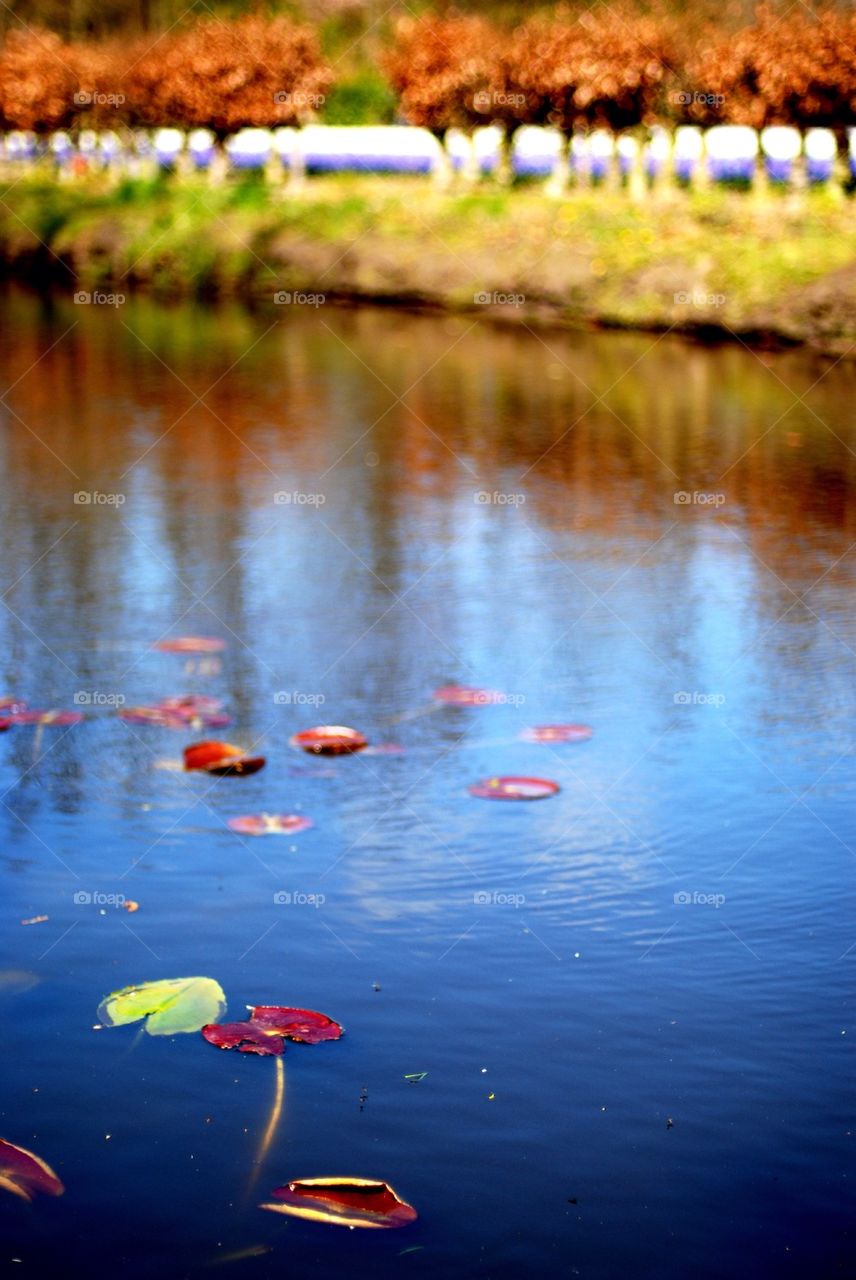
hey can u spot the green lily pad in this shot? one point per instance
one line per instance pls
(170, 1005)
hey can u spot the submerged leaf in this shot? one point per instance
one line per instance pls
(24, 1174)
(178, 713)
(348, 1202)
(170, 1005)
(45, 717)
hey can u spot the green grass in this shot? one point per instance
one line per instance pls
(594, 255)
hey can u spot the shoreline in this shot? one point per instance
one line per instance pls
(771, 271)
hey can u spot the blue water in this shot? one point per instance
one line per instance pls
(640, 1048)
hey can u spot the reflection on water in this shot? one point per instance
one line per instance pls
(649, 537)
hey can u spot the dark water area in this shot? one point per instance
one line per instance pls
(634, 1000)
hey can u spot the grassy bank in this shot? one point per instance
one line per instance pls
(761, 266)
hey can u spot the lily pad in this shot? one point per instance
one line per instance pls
(464, 695)
(330, 740)
(25, 1174)
(514, 788)
(192, 644)
(270, 824)
(221, 758)
(246, 1037)
(549, 733)
(348, 1202)
(169, 1005)
(268, 1026)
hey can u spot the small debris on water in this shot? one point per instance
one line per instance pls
(36, 920)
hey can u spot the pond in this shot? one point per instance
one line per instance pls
(633, 999)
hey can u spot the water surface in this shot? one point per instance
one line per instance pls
(633, 1001)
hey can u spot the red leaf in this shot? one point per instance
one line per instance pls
(557, 733)
(220, 758)
(349, 1202)
(303, 1025)
(46, 717)
(264, 824)
(246, 1037)
(330, 740)
(192, 644)
(514, 788)
(462, 695)
(24, 1174)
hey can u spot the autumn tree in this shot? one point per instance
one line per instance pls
(224, 76)
(37, 82)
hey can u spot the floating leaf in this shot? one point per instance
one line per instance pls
(179, 713)
(192, 644)
(557, 733)
(513, 788)
(330, 740)
(270, 824)
(463, 695)
(45, 717)
(303, 1025)
(267, 1028)
(221, 758)
(246, 1037)
(35, 920)
(348, 1202)
(25, 1174)
(170, 1005)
